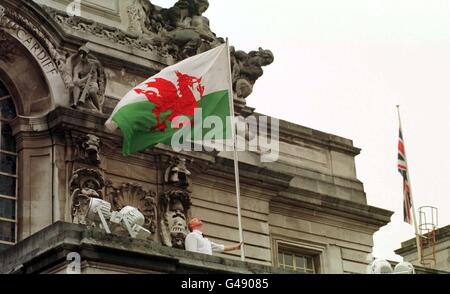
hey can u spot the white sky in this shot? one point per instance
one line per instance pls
(341, 67)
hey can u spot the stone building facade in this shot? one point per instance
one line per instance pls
(61, 76)
(437, 256)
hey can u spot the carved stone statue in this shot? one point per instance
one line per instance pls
(189, 23)
(84, 185)
(136, 18)
(182, 30)
(175, 203)
(174, 207)
(247, 68)
(88, 80)
(89, 148)
(177, 173)
(138, 13)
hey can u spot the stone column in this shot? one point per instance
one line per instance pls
(35, 170)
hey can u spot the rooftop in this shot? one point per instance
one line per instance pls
(410, 245)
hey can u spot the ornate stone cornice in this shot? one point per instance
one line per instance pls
(315, 202)
(111, 34)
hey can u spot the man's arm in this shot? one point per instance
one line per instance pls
(233, 247)
(222, 248)
(217, 247)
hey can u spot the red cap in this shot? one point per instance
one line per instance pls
(194, 223)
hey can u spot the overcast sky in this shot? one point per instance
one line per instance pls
(341, 67)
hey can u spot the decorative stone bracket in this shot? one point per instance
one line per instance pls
(174, 206)
(84, 185)
(175, 203)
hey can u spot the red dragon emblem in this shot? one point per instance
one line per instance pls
(181, 100)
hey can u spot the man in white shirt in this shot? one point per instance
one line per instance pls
(195, 242)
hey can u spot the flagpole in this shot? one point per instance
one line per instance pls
(416, 228)
(236, 159)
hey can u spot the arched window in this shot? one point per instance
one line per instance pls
(8, 172)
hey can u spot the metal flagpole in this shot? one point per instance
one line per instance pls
(416, 228)
(236, 159)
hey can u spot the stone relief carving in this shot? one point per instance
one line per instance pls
(175, 203)
(7, 48)
(84, 185)
(136, 16)
(87, 80)
(130, 194)
(102, 31)
(10, 19)
(174, 207)
(182, 29)
(177, 173)
(88, 149)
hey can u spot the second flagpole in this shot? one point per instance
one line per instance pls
(416, 228)
(236, 159)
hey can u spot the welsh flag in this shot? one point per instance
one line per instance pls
(146, 114)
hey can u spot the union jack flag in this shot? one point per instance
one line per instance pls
(403, 170)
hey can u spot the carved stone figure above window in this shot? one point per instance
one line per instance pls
(87, 80)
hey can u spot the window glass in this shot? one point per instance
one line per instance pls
(7, 231)
(288, 259)
(293, 260)
(7, 186)
(8, 167)
(7, 208)
(7, 163)
(299, 261)
(7, 110)
(7, 141)
(3, 91)
(310, 263)
(280, 258)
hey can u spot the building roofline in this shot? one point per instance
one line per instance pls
(409, 246)
(290, 132)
